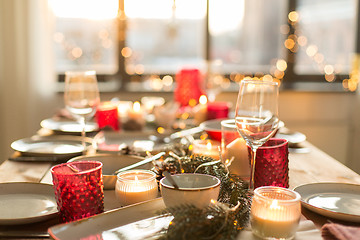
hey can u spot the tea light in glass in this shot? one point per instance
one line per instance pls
(135, 186)
(275, 213)
(208, 148)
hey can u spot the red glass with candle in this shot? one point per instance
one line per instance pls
(78, 189)
(107, 115)
(272, 164)
(217, 110)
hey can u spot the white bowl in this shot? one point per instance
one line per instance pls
(111, 163)
(195, 189)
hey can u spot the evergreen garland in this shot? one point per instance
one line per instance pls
(221, 220)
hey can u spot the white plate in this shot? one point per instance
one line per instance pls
(49, 146)
(65, 125)
(132, 222)
(336, 200)
(22, 203)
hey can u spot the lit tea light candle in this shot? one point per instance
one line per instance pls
(208, 148)
(136, 112)
(275, 212)
(136, 186)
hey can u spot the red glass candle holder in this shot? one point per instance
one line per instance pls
(272, 164)
(107, 115)
(217, 110)
(78, 189)
(189, 86)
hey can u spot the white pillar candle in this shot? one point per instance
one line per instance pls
(275, 212)
(136, 186)
(208, 148)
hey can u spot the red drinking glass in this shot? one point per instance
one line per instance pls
(107, 115)
(272, 164)
(78, 189)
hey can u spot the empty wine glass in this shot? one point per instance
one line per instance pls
(81, 96)
(257, 115)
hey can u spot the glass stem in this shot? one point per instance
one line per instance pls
(252, 170)
(83, 135)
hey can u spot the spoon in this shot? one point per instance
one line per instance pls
(171, 179)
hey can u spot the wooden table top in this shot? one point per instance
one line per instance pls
(312, 167)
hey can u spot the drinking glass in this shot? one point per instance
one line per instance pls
(81, 96)
(256, 115)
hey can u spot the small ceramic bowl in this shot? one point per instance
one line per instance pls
(195, 189)
(111, 163)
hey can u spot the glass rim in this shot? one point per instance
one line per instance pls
(122, 179)
(282, 143)
(296, 196)
(229, 123)
(96, 168)
(259, 82)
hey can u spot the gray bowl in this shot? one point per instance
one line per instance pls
(111, 163)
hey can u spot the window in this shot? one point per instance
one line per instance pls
(143, 43)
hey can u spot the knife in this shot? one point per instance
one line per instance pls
(150, 159)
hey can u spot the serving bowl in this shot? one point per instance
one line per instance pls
(111, 163)
(196, 189)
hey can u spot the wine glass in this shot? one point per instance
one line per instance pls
(256, 116)
(81, 97)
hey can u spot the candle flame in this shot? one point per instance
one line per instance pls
(136, 179)
(203, 99)
(274, 205)
(208, 146)
(136, 106)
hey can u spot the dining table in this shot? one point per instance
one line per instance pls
(311, 166)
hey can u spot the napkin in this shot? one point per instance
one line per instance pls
(335, 231)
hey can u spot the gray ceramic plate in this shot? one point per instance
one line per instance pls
(336, 200)
(65, 125)
(22, 203)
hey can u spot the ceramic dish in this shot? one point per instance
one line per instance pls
(132, 222)
(22, 203)
(64, 146)
(336, 200)
(111, 163)
(66, 125)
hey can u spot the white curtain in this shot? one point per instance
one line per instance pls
(27, 77)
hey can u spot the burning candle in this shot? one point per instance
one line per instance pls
(200, 110)
(208, 148)
(136, 186)
(136, 112)
(275, 212)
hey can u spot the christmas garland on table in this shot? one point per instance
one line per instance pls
(223, 219)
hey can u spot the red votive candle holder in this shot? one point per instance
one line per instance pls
(107, 115)
(78, 189)
(189, 86)
(272, 164)
(217, 110)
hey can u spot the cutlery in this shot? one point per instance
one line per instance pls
(171, 179)
(157, 156)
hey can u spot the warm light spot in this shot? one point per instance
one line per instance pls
(192, 102)
(302, 40)
(345, 83)
(76, 52)
(225, 83)
(126, 52)
(293, 16)
(156, 83)
(319, 58)
(107, 43)
(167, 80)
(274, 205)
(136, 178)
(328, 69)
(58, 37)
(136, 106)
(289, 43)
(281, 65)
(311, 50)
(139, 69)
(213, 201)
(208, 145)
(352, 85)
(203, 136)
(284, 29)
(185, 115)
(203, 99)
(330, 77)
(268, 78)
(279, 74)
(191, 147)
(160, 130)
(130, 69)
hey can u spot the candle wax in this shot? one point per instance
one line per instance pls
(238, 149)
(206, 148)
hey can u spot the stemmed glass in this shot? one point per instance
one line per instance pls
(81, 97)
(256, 115)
